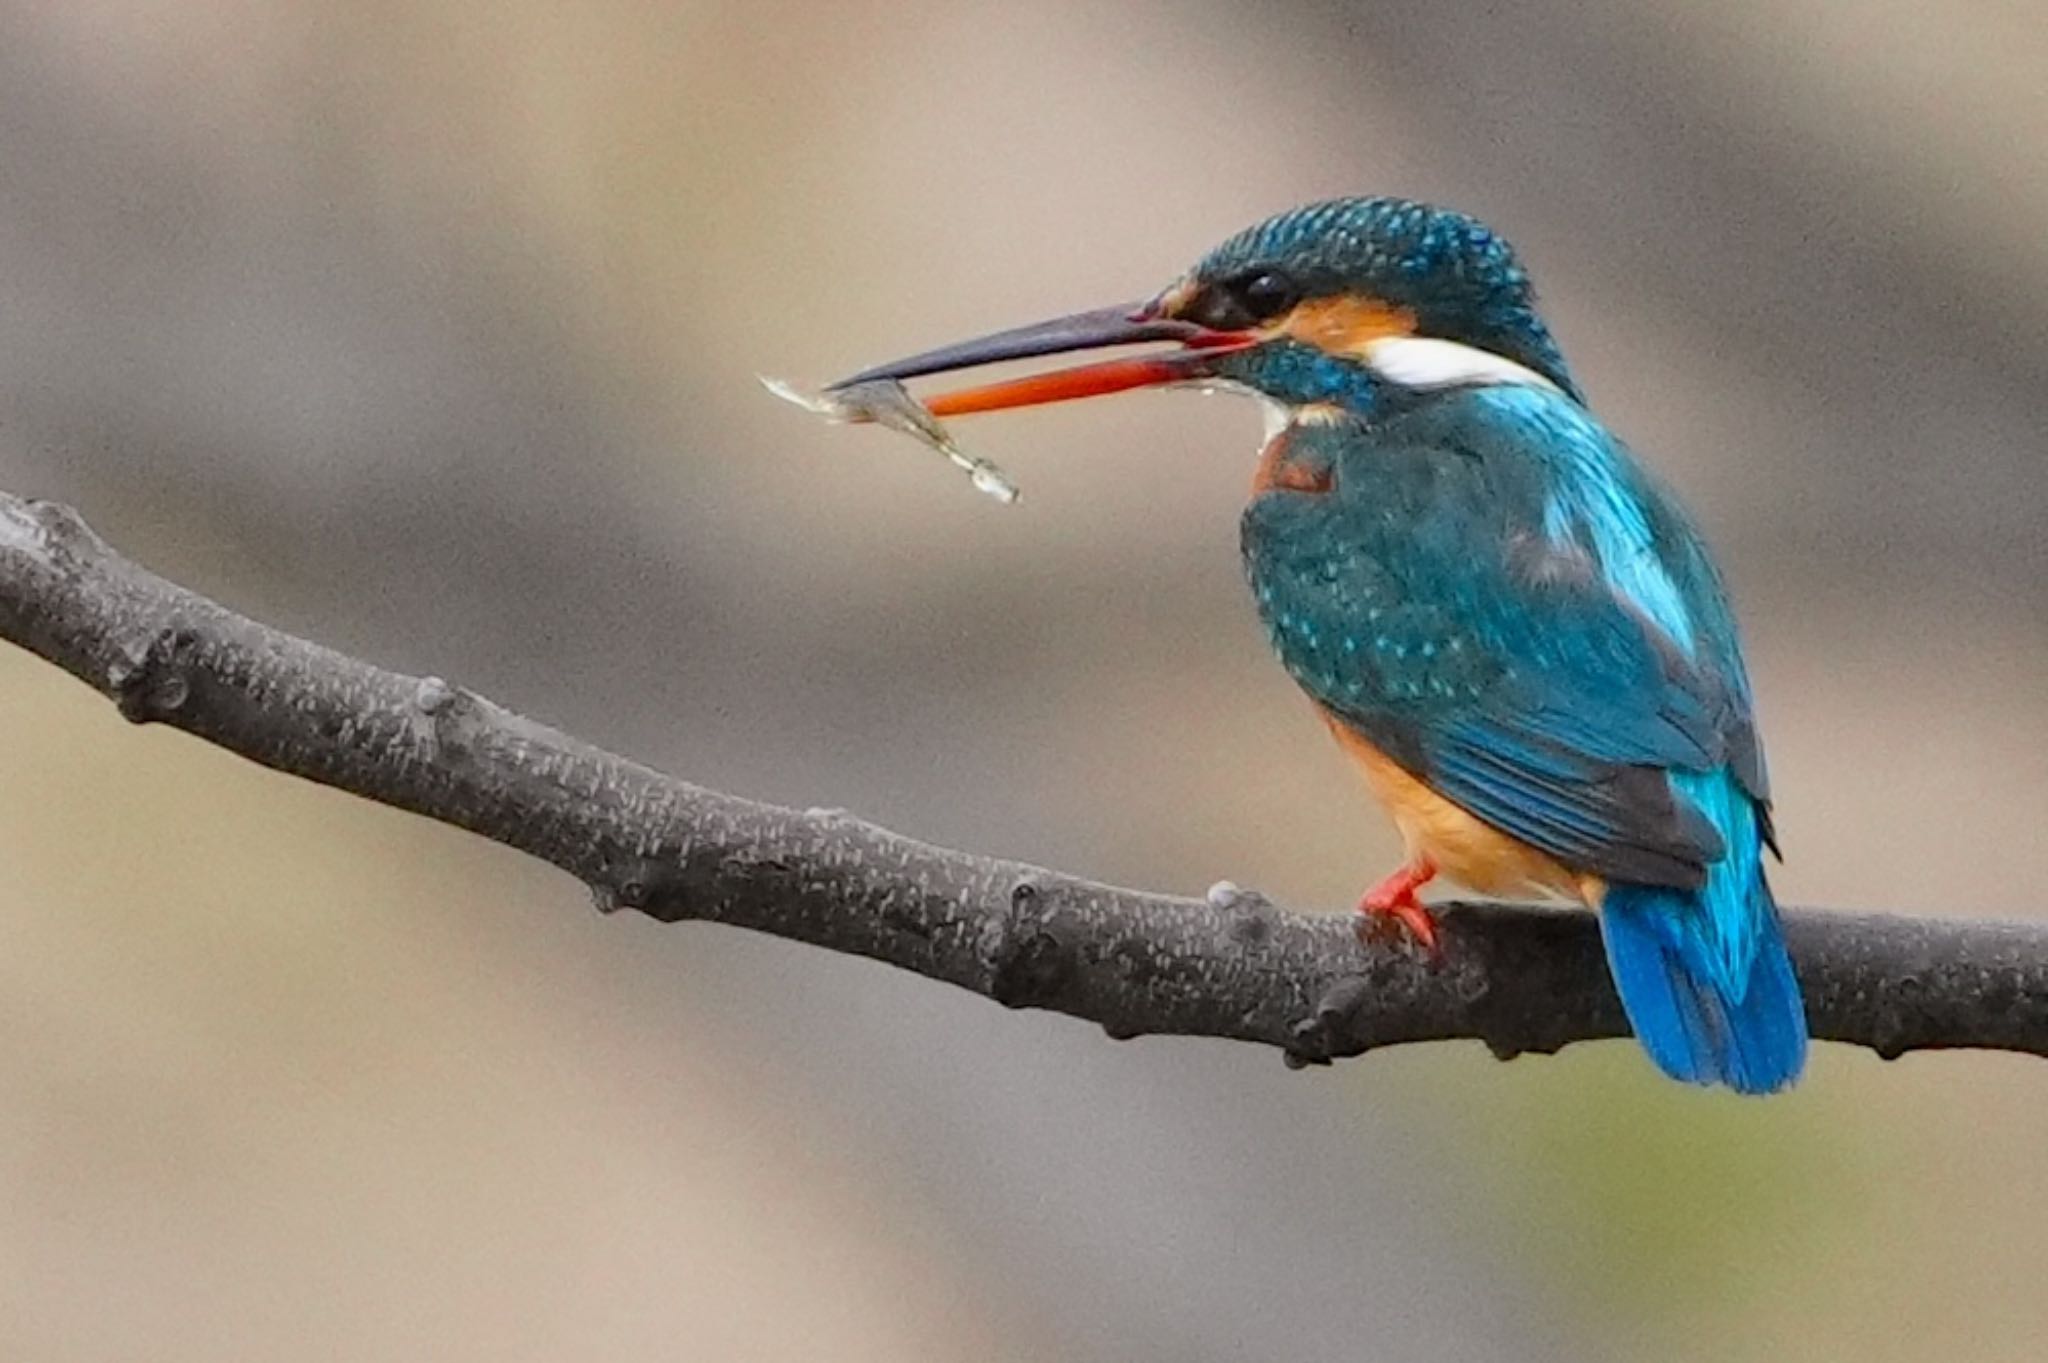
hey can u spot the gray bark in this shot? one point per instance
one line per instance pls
(1518, 977)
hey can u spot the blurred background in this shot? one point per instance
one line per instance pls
(429, 329)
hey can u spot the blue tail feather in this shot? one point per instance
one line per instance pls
(1703, 974)
(1748, 1033)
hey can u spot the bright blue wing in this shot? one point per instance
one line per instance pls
(1435, 600)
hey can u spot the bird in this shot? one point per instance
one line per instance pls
(1506, 620)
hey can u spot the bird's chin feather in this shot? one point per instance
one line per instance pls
(1277, 415)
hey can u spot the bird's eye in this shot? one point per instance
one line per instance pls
(1267, 294)
(1245, 301)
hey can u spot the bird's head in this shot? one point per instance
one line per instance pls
(1335, 304)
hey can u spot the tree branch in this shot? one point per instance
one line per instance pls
(1518, 978)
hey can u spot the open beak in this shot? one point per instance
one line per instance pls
(1131, 324)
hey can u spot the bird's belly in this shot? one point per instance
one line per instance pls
(1458, 844)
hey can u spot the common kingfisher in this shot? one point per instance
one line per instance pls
(1507, 622)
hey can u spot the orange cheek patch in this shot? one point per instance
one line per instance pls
(1346, 323)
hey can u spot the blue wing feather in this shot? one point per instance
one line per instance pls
(1423, 603)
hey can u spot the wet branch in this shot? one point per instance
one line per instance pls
(1518, 978)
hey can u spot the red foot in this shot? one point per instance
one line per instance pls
(1392, 905)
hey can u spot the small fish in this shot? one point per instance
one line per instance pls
(888, 404)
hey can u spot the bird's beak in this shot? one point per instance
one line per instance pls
(1131, 324)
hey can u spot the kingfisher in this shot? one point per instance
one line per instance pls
(1506, 621)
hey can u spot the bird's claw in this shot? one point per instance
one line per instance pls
(1410, 921)
(1390, 909)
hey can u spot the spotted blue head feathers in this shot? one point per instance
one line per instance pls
(1457, 279)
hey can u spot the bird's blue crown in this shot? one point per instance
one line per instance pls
(1460, 279)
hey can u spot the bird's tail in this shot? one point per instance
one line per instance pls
(1703, 974)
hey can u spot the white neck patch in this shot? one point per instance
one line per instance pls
(1428, 362)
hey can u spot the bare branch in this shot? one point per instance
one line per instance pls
(1519, 978)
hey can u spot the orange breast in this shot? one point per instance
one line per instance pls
(1463, 847)
(1277, 470)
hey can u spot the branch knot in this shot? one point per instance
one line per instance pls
(150, 679)
(1027, 960)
